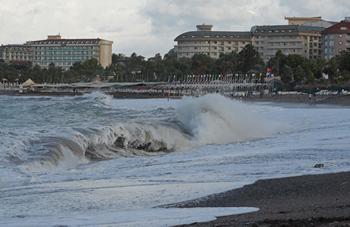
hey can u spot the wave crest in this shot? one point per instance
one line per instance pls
(214, 119)
(211, 119)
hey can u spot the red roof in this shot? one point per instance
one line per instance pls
(342, 27)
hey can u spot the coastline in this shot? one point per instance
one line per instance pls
(341, 100)
(309, 200)
(338, 100)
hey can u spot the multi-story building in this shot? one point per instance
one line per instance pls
(290, 39)
(65, 52)
(211, 43)
(15, 53)
(336, 39)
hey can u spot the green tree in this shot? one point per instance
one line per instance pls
(36, 74)
(277, 63)
(295, 60)
(202, 64)
(299, 74)
(227, 63)
(343, 61)
(332, 70)
(310, 77)
(287, 74)
(317, 67)
(90, 69)
(249, 59)
(54, 74)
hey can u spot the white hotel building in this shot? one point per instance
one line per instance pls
(211, 43)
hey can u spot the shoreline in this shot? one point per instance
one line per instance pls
(308, 200)
(338, 100)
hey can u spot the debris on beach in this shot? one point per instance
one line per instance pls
(319, 165)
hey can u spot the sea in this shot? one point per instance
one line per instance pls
(93, 160)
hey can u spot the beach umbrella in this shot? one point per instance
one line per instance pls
(28, 83)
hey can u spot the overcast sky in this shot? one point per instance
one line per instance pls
(148, 27)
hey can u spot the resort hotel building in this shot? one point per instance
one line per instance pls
(301, 35)
(15, 53)
(336, 39)
(211, 43)
(289, 39)
(61, 52)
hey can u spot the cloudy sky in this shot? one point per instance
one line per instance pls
(148, 27)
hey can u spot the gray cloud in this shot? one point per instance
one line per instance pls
(148, 26)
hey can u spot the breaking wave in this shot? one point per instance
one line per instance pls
(211, 119)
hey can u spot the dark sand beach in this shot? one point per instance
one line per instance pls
(343, 100)
(311, 200)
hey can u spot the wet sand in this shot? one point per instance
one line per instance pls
(312, 200)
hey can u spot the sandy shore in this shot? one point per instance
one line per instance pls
(343, 100)
(312, 200)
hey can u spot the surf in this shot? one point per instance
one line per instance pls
(196, 121)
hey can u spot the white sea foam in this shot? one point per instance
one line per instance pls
(211, 119)
(99, 98)
(214, 119)
(133, 218)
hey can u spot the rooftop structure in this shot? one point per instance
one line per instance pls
(54, 37)
(309, 21)
(204, 27)
(342, 27)
(301, 20)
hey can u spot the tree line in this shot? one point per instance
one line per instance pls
(292, 69)
(21, 71)
(298, 70)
